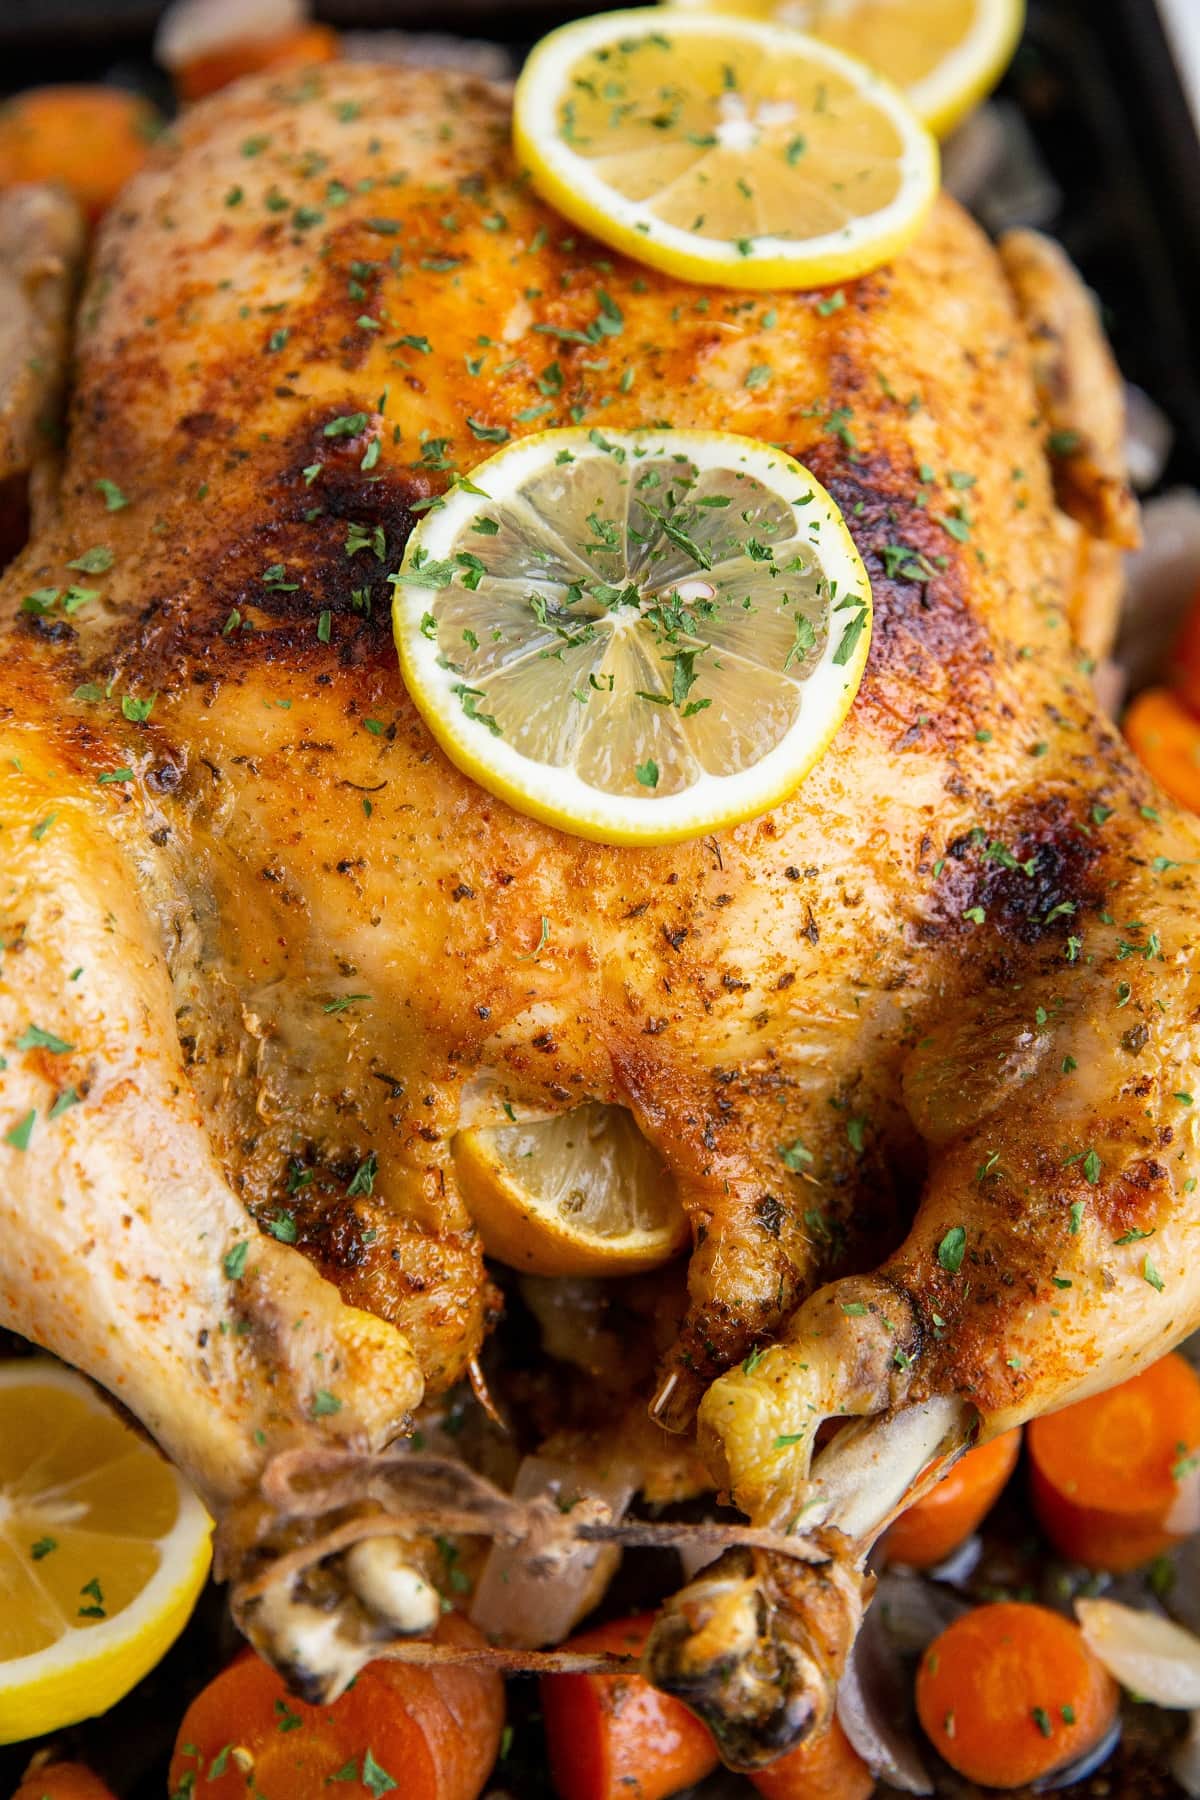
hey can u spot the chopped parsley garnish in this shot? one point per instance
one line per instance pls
(347, 425)
(952, 1249)
(34, 1038)
(18, 1135)
(234, 1261)
(91, 1591)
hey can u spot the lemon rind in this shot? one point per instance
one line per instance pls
(952, 90)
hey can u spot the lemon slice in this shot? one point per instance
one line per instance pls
(944, 55)
(579, 1194)
(723, 149)
(637, 636)
(103, 1550)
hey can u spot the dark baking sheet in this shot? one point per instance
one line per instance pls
(1096, 86)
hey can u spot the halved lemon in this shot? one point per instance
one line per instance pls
(723, 149)
(103, 1550)
(944, 55)
(580, 1194)
(639, 636)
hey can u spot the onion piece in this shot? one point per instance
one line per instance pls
(1148, 438)
(955, 1570)
(1162, 579)
(524, 1609)
(1185, 1759)
(973, 155)
(1153, 1658)
(429, 50)
(1083, 1765)
(874, 1699)
(913, 1610)
(190, 29)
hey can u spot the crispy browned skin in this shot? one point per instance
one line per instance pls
(939, 917)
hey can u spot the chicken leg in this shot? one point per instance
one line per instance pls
(1050, 1255)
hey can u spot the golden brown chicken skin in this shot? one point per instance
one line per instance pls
(291, 950)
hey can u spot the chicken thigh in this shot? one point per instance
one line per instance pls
(917, 1047)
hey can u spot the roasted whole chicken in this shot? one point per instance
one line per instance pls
(917, 1047)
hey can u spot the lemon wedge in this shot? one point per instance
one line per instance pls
(579, 1194)
(944, 55)
(723, 149)
(638, 637)
(103, 1551)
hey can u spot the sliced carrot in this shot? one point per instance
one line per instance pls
(92, 139)
(827, 1767)
(1166, 739)
(431, 1732)
(62, 1781)
(936, 1524)
(1115, 1479)
(615, 1737)
(1011, 1692)
(206, 74)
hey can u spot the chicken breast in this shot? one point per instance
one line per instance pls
(926, 1031)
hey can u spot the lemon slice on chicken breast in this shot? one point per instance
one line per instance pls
(583, 1193)
(103, 1550)
(944, 55)
(638, 637)
(723, 149)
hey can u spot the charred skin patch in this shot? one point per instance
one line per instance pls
(303, 583)
(1031, 878)
(430, 1284)
(930, 654)
(1132, 1203)
(328, 547)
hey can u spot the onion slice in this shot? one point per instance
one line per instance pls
(1185, 1759)
(1084, 1765)
(524, 1609)
(1153, 1658)
(190, 29)
(1162, 579)
(1148, 438)
(874, 1694)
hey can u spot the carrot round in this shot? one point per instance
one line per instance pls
(92, 139)
(615, 1737)
(827, 1767)
(1166, 739)
(206, 74)
(1115, 1478)
(431, 1732)
(62, 1781)
(1011, 1692)
(936, 1524)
